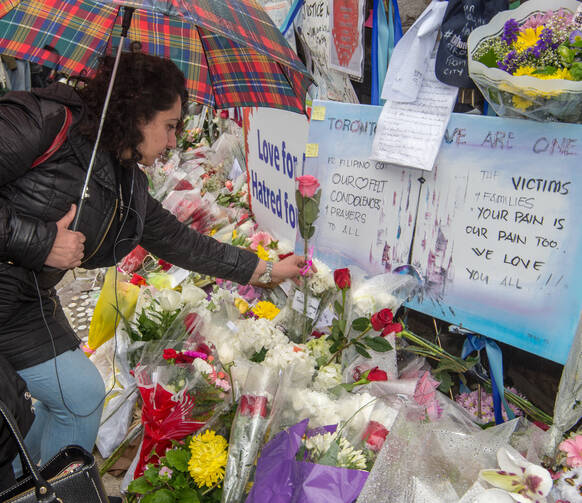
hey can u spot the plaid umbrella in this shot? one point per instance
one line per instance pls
(230, 51)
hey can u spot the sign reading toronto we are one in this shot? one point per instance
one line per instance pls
(492, 228)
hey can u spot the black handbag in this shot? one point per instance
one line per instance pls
(69, 477)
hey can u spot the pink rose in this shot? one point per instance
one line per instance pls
(308, 185)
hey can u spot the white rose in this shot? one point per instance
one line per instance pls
(201, 366)
(192, 294)
(170, 300)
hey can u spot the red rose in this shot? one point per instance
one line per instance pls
(183, 185)
(308, 185)
(252, 405)
(382, 318)
(191, 322)
(224, 114)
(377, 374)
(283, 256)
(170, 354)
(342, 278)
(164, 265)
(203, 348)
(316, 334)
(375, 435)
(138, 280)
(392, 327)
(228, 185)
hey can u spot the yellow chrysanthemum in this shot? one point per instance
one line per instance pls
(208, 458)
(213, 232)
(242, 305)
(527, 38)
(265, 309)
(234, 234)
(521, 103)
(262, 253)
(560, 73)
(524, 70)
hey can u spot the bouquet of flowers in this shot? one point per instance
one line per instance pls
(318, 466)
(191, 470)
(528, 62)
(248, 431)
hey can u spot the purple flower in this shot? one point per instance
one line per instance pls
(508, 63)
(545, 42)
(575, 36)
(196, 354)
(510, 31)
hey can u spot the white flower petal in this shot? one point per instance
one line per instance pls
(493, 496)
(511, 461)
(538, 480)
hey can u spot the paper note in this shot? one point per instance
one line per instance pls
(318, 113)
(312, 304)
(410, 134)
(312, 150)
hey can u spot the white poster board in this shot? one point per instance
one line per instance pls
(274, 145)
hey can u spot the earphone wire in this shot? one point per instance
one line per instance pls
(116, 243)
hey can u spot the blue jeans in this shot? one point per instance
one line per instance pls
(59, 424)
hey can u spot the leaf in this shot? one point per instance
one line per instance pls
(152, 475)
(379, 344)
(360, 324)
(338, 308)
(160, 496)
(178, 459)
(317, 197)
(330, 456)
(546, 70)
(310, 212)
(489, 59)
(576, 71)
(363, 352)
(310, 232)
(140, 486)
(187, 496)
(259, 356)
(299, 199)
(446, 382)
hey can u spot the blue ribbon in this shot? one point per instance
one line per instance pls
(291, 15)
(475, 342)
(375, 95)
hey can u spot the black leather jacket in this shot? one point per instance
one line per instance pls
(33, 199)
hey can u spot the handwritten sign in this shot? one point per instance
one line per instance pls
(403, 127)
(275, 146)
(493, 228)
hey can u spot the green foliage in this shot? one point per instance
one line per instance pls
(360, 324)
(331, 455)
(489, 59)
(379, 344)
(177, 459)
(259, 356)
(152, 323)
(576, 71)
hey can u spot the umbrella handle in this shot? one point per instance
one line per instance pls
(127, 13)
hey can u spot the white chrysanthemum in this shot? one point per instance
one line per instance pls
(285, 247)
(247, 228)
(328, 377)
(289, 355)
(348, 457)
(322, 280)
(319, 444)
(254, 335)
(369, 301)
(319, 348)
(316, 406)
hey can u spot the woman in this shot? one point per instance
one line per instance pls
(37, 206)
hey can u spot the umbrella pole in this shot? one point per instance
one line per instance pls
(127, 13)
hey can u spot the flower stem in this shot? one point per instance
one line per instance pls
(349, 343)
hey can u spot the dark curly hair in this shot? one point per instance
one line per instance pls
(144, 85)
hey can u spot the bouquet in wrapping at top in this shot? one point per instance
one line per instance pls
(248, 430)
(528, 62)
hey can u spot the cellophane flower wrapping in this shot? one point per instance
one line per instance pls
(182, 384)
(249, 427)
(435, 461)
(524, 96)
(281, 478)
(319, 288)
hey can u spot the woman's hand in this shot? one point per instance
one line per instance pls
(288, 268)
(68, 247)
